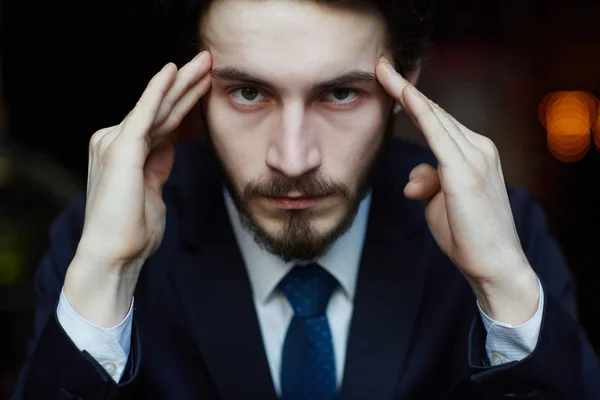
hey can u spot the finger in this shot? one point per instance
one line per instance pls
(186, 80)
(140, 120)
(454, 128)
(183, 107)
(393, 85)
(444, 147)
(424, 182)
(468, 135)
(443, 140)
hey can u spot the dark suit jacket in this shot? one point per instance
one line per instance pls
(415, 332)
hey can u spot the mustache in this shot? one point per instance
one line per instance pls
(312, 185)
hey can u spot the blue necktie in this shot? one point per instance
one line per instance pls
(308, 361)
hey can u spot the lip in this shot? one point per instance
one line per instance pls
(296, 203)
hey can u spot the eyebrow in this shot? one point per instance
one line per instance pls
(233, 74)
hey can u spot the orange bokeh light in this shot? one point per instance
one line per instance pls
(569, 118)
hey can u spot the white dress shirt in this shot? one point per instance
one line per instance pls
(110, 347)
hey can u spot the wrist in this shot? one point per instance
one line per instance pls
(99, 292)
(513, 299)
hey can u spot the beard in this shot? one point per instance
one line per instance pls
(297, 239)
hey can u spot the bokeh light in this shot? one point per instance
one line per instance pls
(569, 118)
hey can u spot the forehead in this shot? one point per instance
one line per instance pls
(291, 39)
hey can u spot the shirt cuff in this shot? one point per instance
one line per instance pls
(109, 346)
(505, 343)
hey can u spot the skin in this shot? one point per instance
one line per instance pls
(468, 210)
(290, 133)
(282, 120)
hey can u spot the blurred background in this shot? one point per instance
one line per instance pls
(70, 68)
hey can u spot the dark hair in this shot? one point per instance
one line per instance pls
(409, 24)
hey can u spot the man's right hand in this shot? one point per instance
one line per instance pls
(125, 214)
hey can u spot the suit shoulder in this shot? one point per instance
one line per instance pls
(524, 206)
(64, 234)
(65, 230)
(538, 242)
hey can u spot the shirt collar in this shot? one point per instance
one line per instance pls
(266, 270)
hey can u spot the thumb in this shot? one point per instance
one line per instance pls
(424, 182)
(158, 164)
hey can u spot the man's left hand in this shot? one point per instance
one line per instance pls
(468, 210)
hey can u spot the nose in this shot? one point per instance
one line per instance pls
(293, 150)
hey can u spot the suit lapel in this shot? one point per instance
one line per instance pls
(391, 282)
(215, 294)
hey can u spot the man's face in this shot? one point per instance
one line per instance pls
(295, 115)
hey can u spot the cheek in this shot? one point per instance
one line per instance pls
(236, 139)
(353, 141)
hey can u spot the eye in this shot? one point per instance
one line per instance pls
(247, 95)
(342, 95)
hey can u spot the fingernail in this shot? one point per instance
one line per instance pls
(413, 183)
(389, 68)
(387, 65)
(200, 55)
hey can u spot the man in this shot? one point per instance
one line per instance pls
(303, 262)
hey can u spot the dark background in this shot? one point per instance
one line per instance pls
(70, 68)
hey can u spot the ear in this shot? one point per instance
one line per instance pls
(413, 78)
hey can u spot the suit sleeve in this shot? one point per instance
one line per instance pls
(56, 368)
(563, 364)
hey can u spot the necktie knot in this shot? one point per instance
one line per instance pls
(308, 289)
